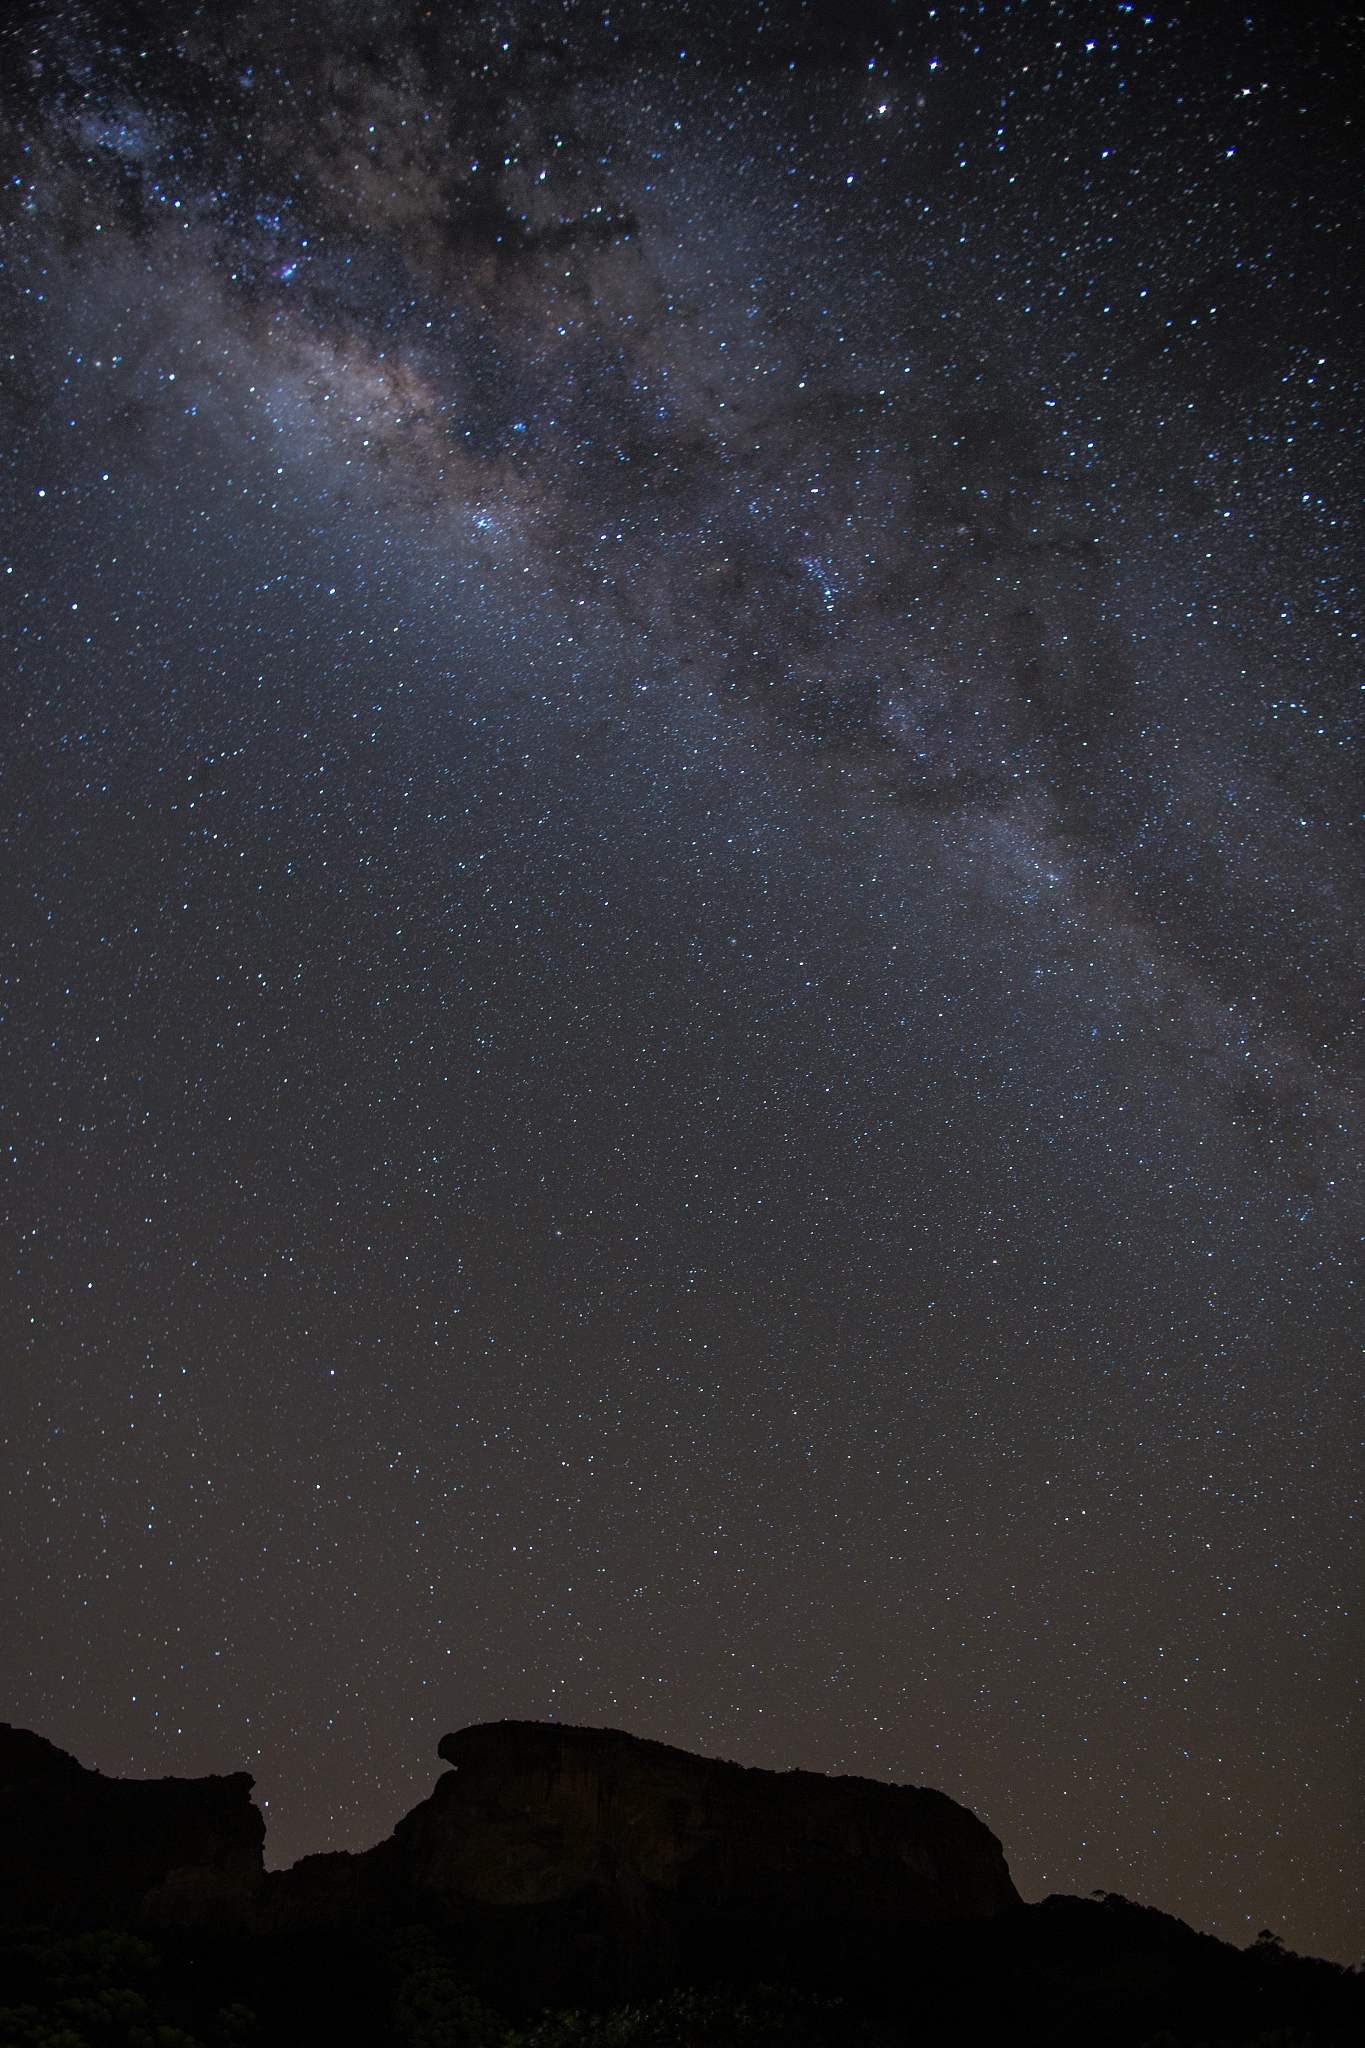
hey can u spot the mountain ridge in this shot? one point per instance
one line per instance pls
(554, 1867)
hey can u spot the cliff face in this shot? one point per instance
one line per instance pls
(565, 1863)
(579, 1867)
(532, 1813)
(587, 1863)
(81, 1850)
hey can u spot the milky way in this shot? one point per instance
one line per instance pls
(683, 909)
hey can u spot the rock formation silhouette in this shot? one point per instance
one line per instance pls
(578, 1859)
(580, 1867)
(81, 1850)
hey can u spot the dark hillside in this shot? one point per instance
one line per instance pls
(593, 1891)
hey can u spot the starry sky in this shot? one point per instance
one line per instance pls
(682, 907)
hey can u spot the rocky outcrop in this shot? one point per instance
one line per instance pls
(585, 1862)
(562, 1863)
(577, 1867)
(78, 1849)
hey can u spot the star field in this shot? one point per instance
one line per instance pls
(680, 817)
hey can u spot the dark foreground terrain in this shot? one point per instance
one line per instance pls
(577, 1888)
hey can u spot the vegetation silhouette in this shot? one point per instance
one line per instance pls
(1068, 1973)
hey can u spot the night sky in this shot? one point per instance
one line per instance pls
(682, 908)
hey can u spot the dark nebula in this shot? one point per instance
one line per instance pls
(680, 832)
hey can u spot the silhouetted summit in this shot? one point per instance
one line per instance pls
(577, 1860)
(78, 1849)
(618, 1865)
(557, 1867)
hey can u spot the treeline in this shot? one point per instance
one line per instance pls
(1069, 1973)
